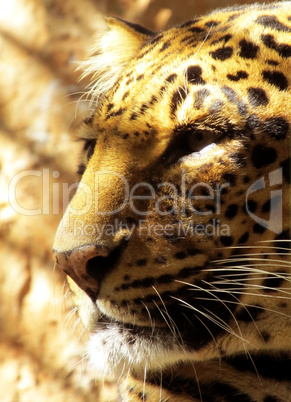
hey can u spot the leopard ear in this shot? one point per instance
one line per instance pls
(111, 54)
(125, 34)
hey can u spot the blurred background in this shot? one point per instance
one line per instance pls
(41, 43)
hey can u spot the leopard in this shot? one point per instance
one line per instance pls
(176, 243)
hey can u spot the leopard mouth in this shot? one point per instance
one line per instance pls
(133, 331)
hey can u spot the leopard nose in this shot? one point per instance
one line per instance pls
(88, 265)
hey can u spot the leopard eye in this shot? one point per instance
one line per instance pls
(199, 139)
(188, 141)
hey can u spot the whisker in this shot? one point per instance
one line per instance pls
(172, 326)
(252, 270)
(218, 321)
(150, 317)
(225, 305)
(252, 246)
(69, 316)
(144, 382)
(247, 258)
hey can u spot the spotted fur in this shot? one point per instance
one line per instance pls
(196, 120)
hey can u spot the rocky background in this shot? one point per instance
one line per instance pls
(41, 105)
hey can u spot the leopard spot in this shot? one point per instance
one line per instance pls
(222, 53)
(286, 166)
(200, 96)
(263, 155)
(171, 77)
(257, 97)
(283, 49)
(276, 127)
(248, 50)
(238, 76)
(271, 21)
(194, 75)
(277, 79)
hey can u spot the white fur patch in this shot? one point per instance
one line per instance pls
(116, 350)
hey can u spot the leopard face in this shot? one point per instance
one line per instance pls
(177, 241)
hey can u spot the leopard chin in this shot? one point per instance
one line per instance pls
(116, 349)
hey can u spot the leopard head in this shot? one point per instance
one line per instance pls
(176, 241)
